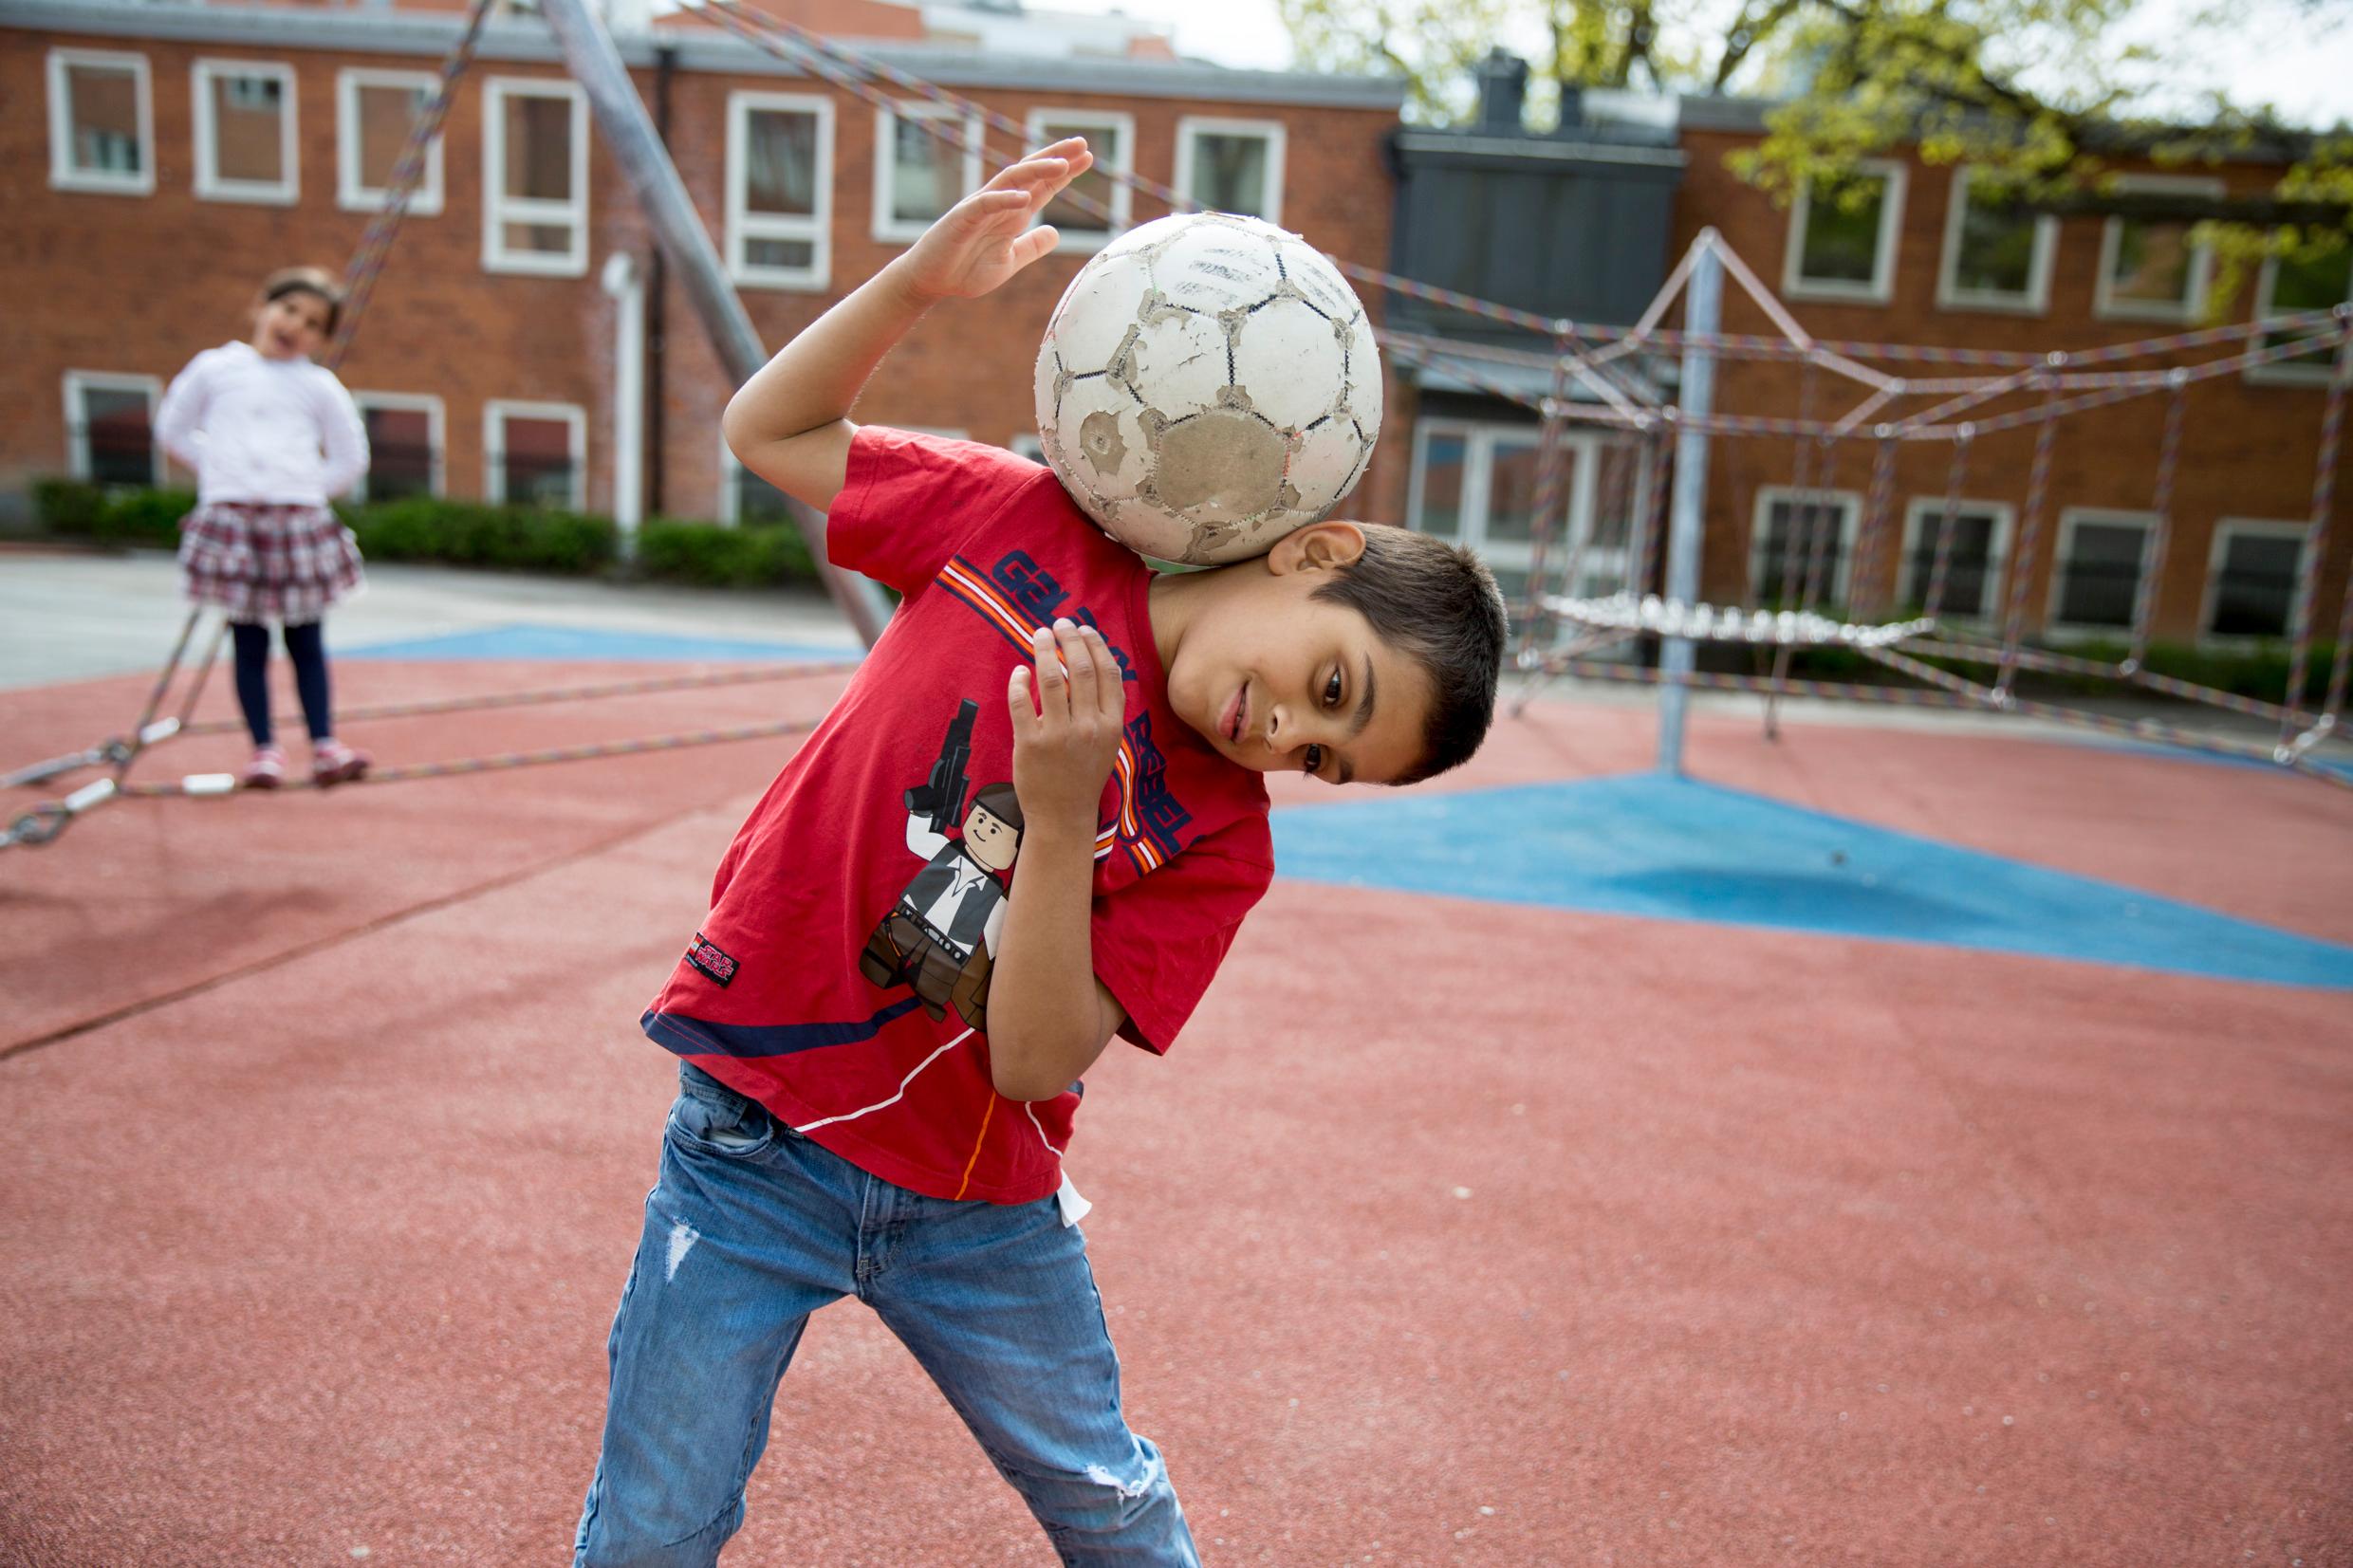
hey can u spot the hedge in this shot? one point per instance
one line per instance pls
(106, 516)
(466, 533)
(755, 555)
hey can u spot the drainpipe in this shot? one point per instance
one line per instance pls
(645, 166)
(624, 282)
(657, 318)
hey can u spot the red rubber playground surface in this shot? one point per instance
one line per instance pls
(1457, 1229)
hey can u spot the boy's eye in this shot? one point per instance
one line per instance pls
(1331, 691)
(1313, 762)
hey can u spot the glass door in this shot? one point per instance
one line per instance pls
(1476, 484)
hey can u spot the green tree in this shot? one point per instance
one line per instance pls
(1963, 81)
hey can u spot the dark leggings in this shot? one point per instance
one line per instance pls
(307, 646)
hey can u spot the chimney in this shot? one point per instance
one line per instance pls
(1503, 89)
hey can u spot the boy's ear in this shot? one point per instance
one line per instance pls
(1319, 546)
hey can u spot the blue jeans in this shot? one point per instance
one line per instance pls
(750, 1228)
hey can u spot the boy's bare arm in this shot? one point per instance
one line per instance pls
(789, 424)
(1048, 1017)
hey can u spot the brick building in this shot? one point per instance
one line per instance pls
(1914, 263)
(182, 152)
(1911, 262)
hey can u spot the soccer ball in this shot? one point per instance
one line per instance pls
(1207, 384)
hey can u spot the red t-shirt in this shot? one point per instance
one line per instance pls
(840, 978)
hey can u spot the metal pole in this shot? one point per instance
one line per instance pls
(596, 64)
(1701, 307)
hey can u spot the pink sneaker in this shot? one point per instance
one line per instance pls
(265, 771)
(333, 762)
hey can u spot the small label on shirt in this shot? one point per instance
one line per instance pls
(1074, 1207)
(705, 955)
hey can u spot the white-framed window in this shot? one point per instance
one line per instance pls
(2149, 271)
(1843, 239)
(1231, 165)
(1972, 574)
(780, 189)
(406, 444)
(534, 176)
(102, 122)
(1474, 483)
(246, 146)
(110, 428)
(374, 111)
(2286, 287)
(1111, 137)
(2095, 579)
(918, 174)
(2252, 577)
(1787, 524)
(535, 453)
(1995, 257)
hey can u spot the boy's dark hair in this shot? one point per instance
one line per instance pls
(306, 280)
(1439, 603)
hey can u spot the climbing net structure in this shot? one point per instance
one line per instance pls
(1901, 394)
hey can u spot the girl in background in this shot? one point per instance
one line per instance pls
(271, 437)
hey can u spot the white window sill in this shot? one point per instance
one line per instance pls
(1838, 293)
(248, 194)
(1998, 305)
(537, 265)
(420, 205)
(101, 184)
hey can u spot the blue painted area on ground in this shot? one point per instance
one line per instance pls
(1679, 850)
(528, 641)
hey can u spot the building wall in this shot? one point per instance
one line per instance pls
(139, 284)
(2248, 451)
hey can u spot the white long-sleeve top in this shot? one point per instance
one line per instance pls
(258, 428)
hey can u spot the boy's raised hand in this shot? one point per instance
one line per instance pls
(986, 238)
(1066, 738)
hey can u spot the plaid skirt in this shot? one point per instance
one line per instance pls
(259, 560)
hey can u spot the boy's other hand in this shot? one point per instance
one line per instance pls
(986, 238)
(1064, 741)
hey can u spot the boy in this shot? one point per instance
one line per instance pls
(882, 1039)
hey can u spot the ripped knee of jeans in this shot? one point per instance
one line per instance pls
(1147, 1475)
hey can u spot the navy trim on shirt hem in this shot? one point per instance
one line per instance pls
(688, 1036)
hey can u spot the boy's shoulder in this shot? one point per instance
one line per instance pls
(909, 458)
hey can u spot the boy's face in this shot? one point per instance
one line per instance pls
(291, 327)
(1278, 681)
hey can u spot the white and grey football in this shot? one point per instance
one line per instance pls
(1207, 383)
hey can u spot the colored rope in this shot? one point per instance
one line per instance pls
(207, 785)
(2160, 533)
(367, 263)
(1939, 572)
(1865, 592)
(561, 694)
(2020, 567)
(2315, 553)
